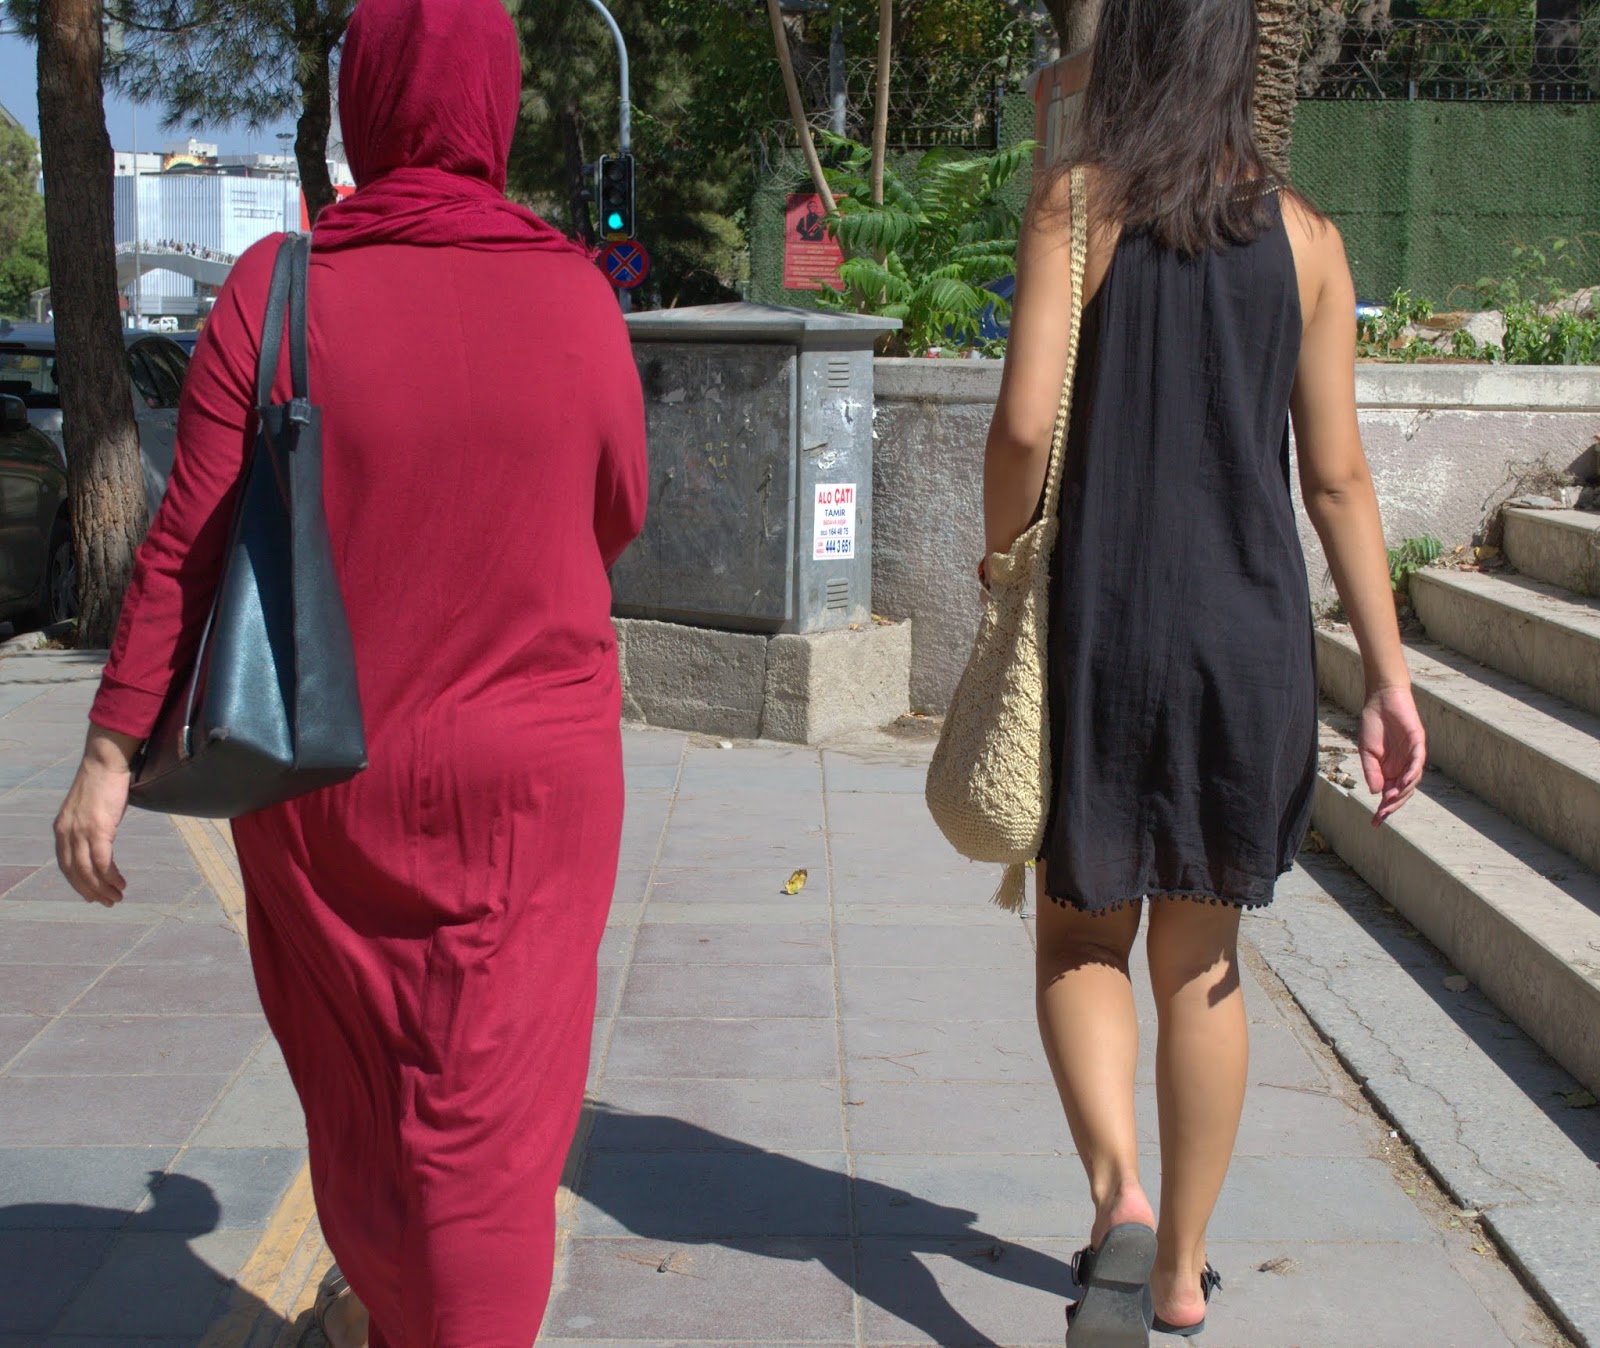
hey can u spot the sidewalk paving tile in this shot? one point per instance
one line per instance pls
(221, 1189)
(44, 989)
(135, 988)
(688, 943)
(753, 1292)
(750, 1193)
(729, 991)
(955, 1117)
(16, 1033)
(66, 1188)
(688, 1115)
(125, 1046)
(159, 1283)
(28, 942)
(77, 1110)
(40, 1273)
(261, 1110)
(807, 1049)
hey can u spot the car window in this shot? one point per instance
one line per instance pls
(153, 381)
(29, 375)
(169, 362)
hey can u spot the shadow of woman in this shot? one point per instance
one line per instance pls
(79, 1270)
(668, 1180)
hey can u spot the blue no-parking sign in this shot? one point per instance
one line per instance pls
(626, 263)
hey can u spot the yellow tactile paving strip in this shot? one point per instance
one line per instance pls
(274, 1291)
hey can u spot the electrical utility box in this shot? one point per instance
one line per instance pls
(760, 426)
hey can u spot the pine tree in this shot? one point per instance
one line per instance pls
(218, 62)
(105, 483)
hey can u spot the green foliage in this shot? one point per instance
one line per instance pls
(22, 242)
(943, 233)
(1542, 328)
(1413, 555)
(1389, 335)
(210, 62)
(701, 73)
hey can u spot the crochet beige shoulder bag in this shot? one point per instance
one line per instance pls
(989, 782)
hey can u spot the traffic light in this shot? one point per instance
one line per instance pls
(616, 196)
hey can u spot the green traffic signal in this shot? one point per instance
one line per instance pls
(615, 193)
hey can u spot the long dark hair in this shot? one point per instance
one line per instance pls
(1168, 123)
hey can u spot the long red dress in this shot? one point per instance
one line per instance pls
(424, 937)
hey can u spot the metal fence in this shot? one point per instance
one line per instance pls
(1503, 60)
(932, 103)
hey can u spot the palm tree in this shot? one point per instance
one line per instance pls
(1283, 25)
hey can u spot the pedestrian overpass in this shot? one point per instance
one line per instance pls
(208, 271)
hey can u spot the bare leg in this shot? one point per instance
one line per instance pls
(1202, 1057)
(1091, 1036)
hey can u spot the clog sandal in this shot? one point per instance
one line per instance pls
(1210, 1281)
(1114, 1282)
(333, 1289)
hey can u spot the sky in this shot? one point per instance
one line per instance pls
(19, 93)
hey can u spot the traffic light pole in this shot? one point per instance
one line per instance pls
(625, 113)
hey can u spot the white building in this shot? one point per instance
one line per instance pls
(191, 199)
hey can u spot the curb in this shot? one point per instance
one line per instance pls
(275, 1289)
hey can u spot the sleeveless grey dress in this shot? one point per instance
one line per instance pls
(1181, 668)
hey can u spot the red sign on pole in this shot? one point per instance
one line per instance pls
(811, 257)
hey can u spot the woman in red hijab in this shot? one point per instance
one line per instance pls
(424, 937)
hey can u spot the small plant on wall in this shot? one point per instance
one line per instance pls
(944, 233)
(1412, 556)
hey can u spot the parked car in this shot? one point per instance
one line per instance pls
(38, 581)
(156, 369)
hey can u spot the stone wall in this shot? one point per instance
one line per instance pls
(1444, 443)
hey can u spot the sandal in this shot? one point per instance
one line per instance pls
(333, 1289)
(1210, 1281)
(1114, 1282)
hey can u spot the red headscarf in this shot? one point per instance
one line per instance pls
(428, 99)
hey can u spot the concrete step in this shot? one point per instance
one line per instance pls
(1528, 754)
(1517, 917)
(1534, 632)
(1559, 547)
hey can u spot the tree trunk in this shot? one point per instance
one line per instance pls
(797, 107)
(880, 107)
(1283, 25)
(105, 479)
(1075, 22)
(577, 181)
(316, 119)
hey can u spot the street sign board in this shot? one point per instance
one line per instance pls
(626, 263)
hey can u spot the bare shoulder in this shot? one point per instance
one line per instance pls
(1318, 245)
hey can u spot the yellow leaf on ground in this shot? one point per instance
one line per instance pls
(797, 882)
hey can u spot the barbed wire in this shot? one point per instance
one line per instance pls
(1486, 60)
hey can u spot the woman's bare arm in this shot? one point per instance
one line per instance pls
(1339, 497)
(1036, 360)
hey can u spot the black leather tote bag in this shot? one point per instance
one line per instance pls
(271, 709)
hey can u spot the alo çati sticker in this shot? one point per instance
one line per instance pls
(835, 538)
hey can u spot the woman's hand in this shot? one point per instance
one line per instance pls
(1394, 748)
(86, 828)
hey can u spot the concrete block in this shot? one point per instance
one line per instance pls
(1559, 547)
(1518, 918)
(824, 684)
(801, 688)
(1525, 752)
(1533, 632)
(692, 678)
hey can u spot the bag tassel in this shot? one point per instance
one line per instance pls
(1013, 892)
